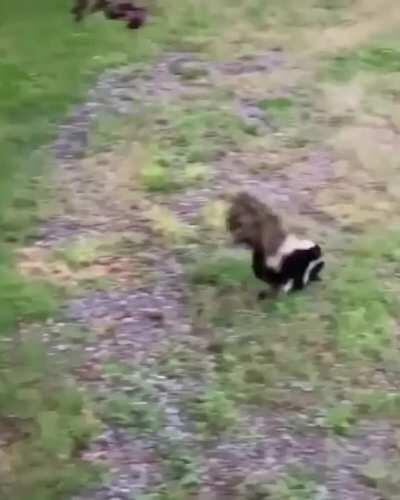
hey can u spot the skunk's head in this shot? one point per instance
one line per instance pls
(244, 228)
(246, 220)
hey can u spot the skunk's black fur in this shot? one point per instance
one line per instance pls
(121, 10)
(295, 270)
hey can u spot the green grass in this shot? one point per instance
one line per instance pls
(312, 340)
(213, 412)
(296, 484)
(223, 269)
(381, 57)
(46, 64)
(178, 141)
(280, 109)
(157, 178)
(198, 133)
(135, 409)
(383, 475)
(48, 421)
(23, 300)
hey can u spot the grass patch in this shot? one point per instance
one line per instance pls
(296, 484)
(85, 251)
(300, 348)
(47, 421)
(82, 252)
(181, 472)
(213, 218)
(157, 178)
(41, 74)
(27, 200)
(279, 109)
(135, 413)
(171, 229)
(194, 133)
(213, 412)
(376, 59)
(179, 141)
(162, 176)
(107, 132)
(22, 300)
(294, 117)
(383, 475)
(197, 134)
(136, 408)
(340, 418)
(223, 269)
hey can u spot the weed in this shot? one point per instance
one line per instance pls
(197, 134)
(340, 418)
(297, 484)
(156, 178)
(132, 412)
(213, 411)
(278, 107)
(171, 229)
(223, 269)
(168, 169)
(268, 349)
(107, 132)
(136, 408)
(168, 491)
(195, 173)
(23, 300)
(383, 475)
(81, 252)
(380, 59)
(51, 422)
(376, 402)
(27, 201)
(214, 216)
(181, 472)
(181, 467)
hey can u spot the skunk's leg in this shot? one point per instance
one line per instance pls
(315, 273)
(288, 286)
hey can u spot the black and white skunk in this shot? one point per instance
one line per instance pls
(284, 261)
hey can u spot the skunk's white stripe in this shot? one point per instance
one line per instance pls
(308, 271)
(289, 245)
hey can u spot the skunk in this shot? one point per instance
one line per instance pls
(284, 261)
(126, 11)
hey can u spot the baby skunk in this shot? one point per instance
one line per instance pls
(282, 260)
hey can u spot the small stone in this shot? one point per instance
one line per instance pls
(188, 69)
(155, 314)
(127, 320)
(62, 347)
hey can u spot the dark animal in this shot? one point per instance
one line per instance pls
(284, 261)
(134, 16)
